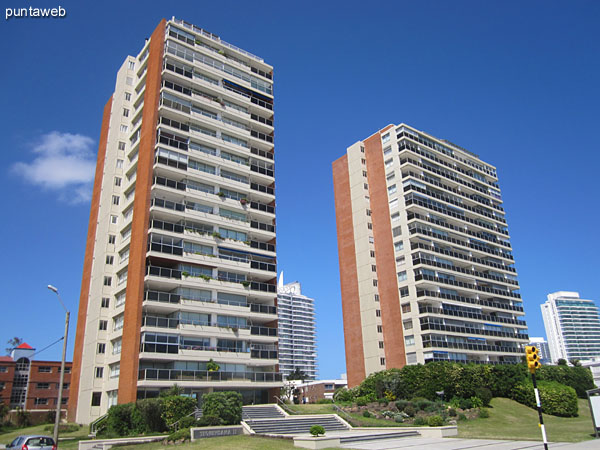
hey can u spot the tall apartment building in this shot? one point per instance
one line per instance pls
(426, 268)
(297, 334)
(180, 263)
(572, 326)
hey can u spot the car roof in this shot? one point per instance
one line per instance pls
(27, 436)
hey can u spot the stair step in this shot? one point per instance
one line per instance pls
(374, 437)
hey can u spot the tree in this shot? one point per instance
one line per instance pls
(212, 366)
(13, 343)
(173, 390)
(561, 362)
(297, 374)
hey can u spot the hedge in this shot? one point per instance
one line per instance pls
(224, 405)
(557, 399)
(461, 380)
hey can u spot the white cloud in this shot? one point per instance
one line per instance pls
(64, 163)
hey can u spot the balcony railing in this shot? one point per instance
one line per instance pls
(163, 272)
(469, 315)
(163, 297)
(468, 346)
(475, 273)
(461, 284)
(460, 298)
(263, 331)
(262, 226)
(262, 188)
(166, 226)
(204, 375)
(262, 246)
(263, 354)
(167, 204)
(470, 330)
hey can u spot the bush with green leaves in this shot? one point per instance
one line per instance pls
(398, 418)
(324, 401)
(226, 405)
(176, 407)
(63, 428)
(452, 412)
(484, 413)
(420, 421)
(344, 395)
(146, 416)
(118, 421)
(484, 394)
(181, 434)
(435, 421)
(461, 417)
(366, 414)
(410, 410)
(401, 404)
(316, 430)
(476, 402)
(556, 399)
(209, 421)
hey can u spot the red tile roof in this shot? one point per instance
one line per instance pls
(25, 346)
(5, 359)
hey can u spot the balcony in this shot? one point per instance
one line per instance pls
(427, 325)
(263, 331)
(459, 298)
(419, 277)
(470, 315)
(166, 226)
(204, 375)
(163, 297)
(474, 347)
(163, 272)
(167, 204)
(458, 269)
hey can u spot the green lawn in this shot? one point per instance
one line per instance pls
(225, 443)
(82, 433)
(511, 420)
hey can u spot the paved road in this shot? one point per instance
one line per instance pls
(470, 444)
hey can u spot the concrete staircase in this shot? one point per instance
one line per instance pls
(297, 424)
(377, 436)
(262, 412)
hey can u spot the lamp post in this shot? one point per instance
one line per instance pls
(62, 366)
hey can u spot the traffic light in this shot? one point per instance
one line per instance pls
(533, 359)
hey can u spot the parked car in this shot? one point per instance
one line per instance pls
(32, 442)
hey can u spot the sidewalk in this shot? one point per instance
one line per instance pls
(471, 444)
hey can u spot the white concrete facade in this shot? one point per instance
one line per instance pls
(572, 326)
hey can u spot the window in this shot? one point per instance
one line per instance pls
(408, 324)
(404, 291)
(120, 299)
(123, 128)
(363, 161)
(378, 313)
(121, 145)
(388, 163)
(385, 138)
(368, 212)
(115, 199)
(366, 186)
(40, 401)
(375, 283)
(125, 112)
(43, 385)
(371, 240)
(111, 238)
(116, 346)
(373, 268)
(376, 297)
(119, 163)
(96, 397)
(399, 246)
(102, 325)
(380, 344)
(372, 253)
(114, 219)
(409, 340)
(109, 259)
(369, 225)
(107, 281)
(394, 203)
(397, 231)
(118, 181)
(382, 361)
(3, 369)
(115, 370)
(399, 261)
(118, 322)
(362, 149)
(402, 275)
(45, 369)
(390, 176)
(101, 349)
(105, 302)
(406, 308)
(364, 173)
(99, 372)
(392, 189)
(379, 328)
(131, 65)
(396, 217)
(127, 96)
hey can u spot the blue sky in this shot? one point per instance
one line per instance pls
(515, 82)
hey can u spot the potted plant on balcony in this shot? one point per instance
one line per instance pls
(221, 194)
(216, 235)
(185, 274)
(244, 201)
(245, 283)
(205, 277)
(212, 366)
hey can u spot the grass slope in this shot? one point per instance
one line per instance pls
(82, 433)
(511, 420)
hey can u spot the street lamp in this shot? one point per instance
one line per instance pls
(62, 366)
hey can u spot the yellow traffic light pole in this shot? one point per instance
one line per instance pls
(533, 363)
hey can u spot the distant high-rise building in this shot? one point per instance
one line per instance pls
(426, 265)
(180, 263)
(297, 335)
(543, 350)
(572, 326)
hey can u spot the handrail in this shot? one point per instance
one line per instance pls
(95, 424)
(284, 406)
(344, 413)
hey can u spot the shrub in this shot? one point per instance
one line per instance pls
(226, 405)
(484, 413)
(146, 416)
(344, 395)
(51, 416)
(178, 435)
(398, 418)
(410, 410)
(176, 407)
(435, 421)
(579, 378)
(462, 417)
(23, 418)
(388, 414)
(476, 402)
(316, 430)
(63, 428)
(556, 399)
(484, 394)
(366, 414)
(209, 421)
(382, 401)
(362, 401)
(452, 412)
(423, 404)
(401, 404)
(420, 421)
(118, 421)
(324, 401)
(187, 422)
